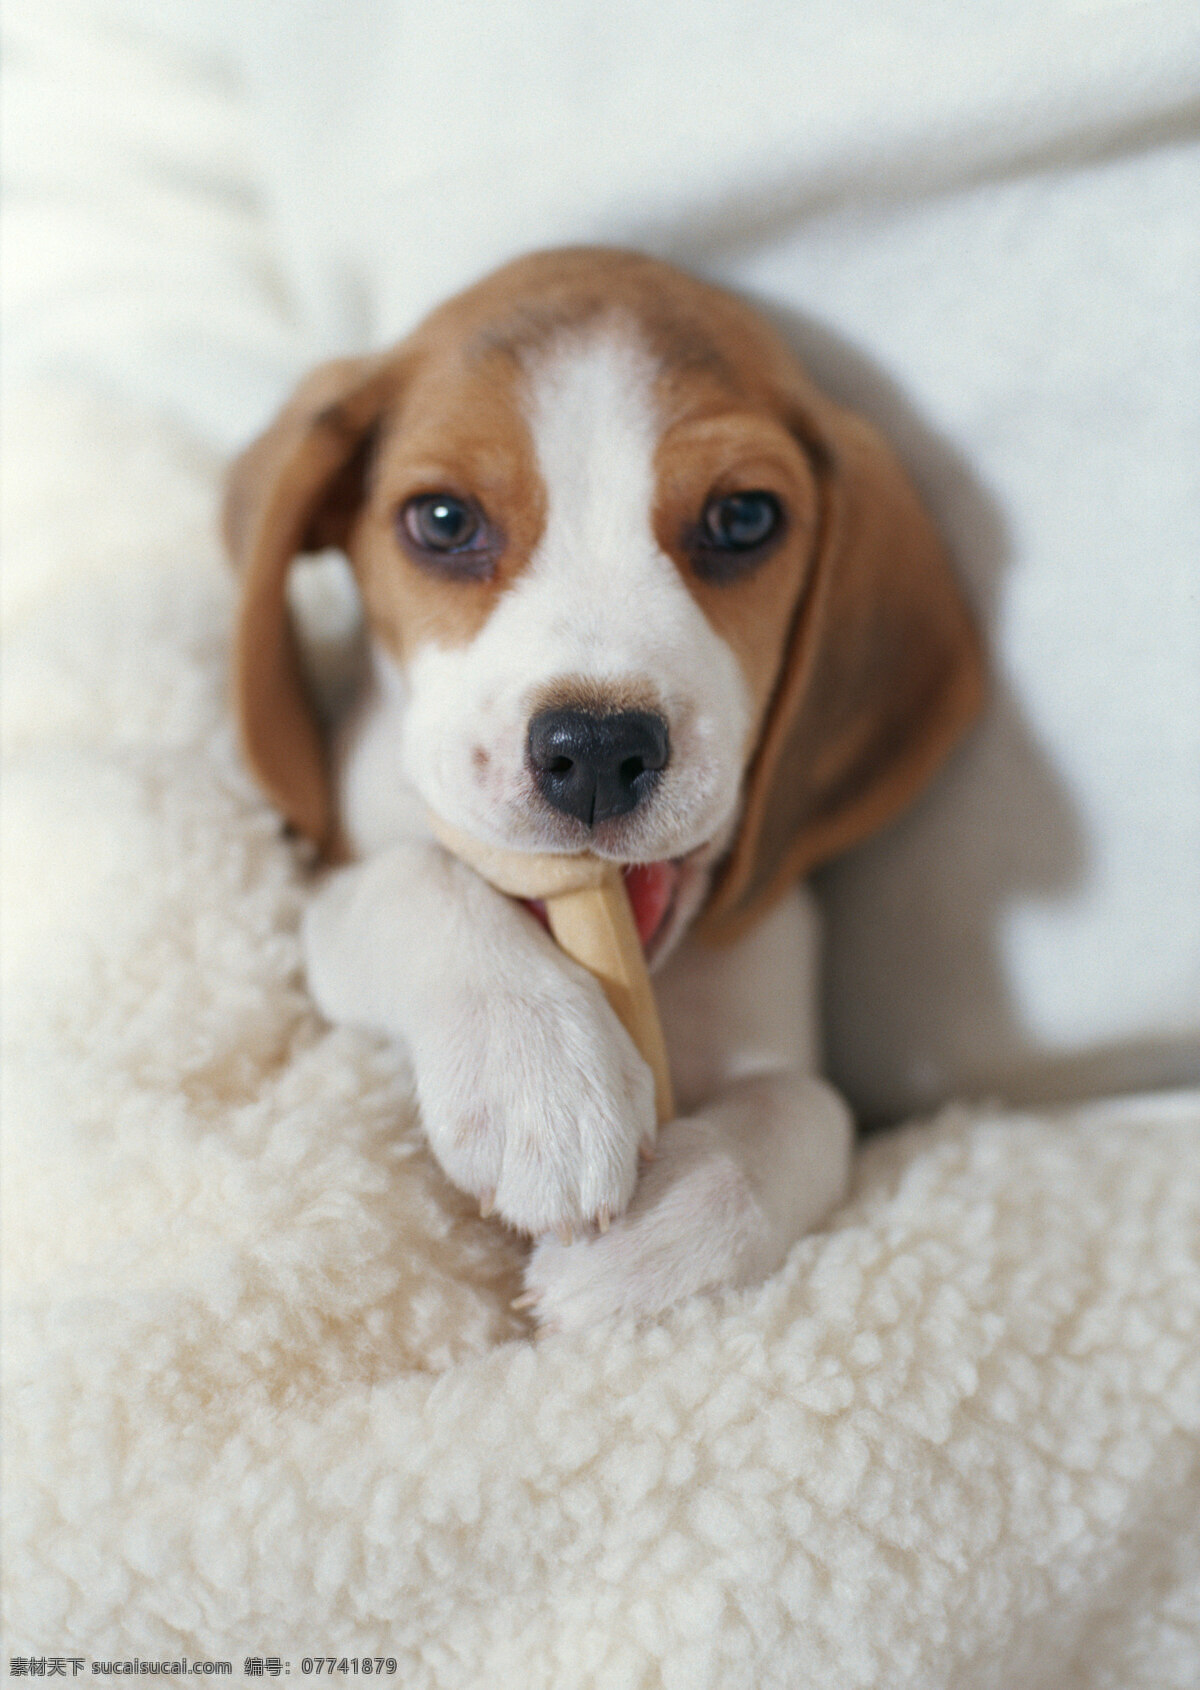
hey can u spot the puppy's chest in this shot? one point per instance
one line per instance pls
(379, 804)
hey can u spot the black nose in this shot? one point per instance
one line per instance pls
(594, 767)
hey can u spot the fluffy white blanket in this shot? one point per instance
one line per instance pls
(265, 1395)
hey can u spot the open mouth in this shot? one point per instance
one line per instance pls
(651, 887)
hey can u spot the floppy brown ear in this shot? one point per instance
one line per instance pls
(882, 674)
(296, 489)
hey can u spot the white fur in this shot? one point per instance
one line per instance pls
(532, 1094)
(759, 1157)
(379, 804)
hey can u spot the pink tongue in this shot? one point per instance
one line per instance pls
(650, 887)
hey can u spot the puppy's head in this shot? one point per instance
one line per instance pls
(637, 586)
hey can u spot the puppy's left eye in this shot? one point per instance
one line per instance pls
(739, 522)
(736, 532)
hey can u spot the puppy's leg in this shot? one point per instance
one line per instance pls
(532, 1094)
(760, 1157)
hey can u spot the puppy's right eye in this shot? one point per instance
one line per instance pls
(440, 522)
(447, 533)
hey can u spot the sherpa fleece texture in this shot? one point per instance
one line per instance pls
(264, 1392)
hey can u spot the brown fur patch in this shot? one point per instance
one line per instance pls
(577, 692)
(458, 429)
(709, 452)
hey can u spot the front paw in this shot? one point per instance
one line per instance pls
(694, 1225)
(535, 1099)
(729, 1192)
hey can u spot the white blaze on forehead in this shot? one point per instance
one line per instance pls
(595, 427)
(626, 613)
(599, 603)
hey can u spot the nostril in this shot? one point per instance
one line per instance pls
(560, 765)
(631, 768)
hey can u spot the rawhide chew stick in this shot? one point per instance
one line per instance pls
(589, 915)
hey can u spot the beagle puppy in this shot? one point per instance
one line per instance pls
(631, 585)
